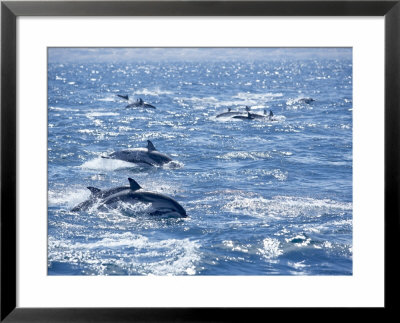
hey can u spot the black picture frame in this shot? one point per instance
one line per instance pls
(10, 10)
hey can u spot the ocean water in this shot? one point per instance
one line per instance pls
(262, 197)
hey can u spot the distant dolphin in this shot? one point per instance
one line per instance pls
(229, 113)
(126, 97)
(306, 100)
(270, 116)
(148, 155)
(140, 104)
(248, 117)
(133, 194)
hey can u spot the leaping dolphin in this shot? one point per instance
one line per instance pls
(148, 155)
(159, 204)
(140, 104)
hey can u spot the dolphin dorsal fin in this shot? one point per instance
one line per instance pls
(134, 186)
(150, 146)
(94, 190)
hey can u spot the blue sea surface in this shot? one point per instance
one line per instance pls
(262, 197)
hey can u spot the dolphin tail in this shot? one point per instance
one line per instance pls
(134, 186)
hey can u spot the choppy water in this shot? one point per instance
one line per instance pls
(263, 198)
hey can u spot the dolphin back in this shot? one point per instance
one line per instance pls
(96, 197)
(159, 158)
(160, 204)
(141, 155)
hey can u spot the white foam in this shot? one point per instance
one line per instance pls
(152, 135)
(128, 252)
(254, 155)
(107, 164)
(153, 92)
(173, 164)
(62, 109)
(252, 204)
(298, 265)
(271, 248)
(107, 99)
(69, 197)
(265, 97)
(95, 114)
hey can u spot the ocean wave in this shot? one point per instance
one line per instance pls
(96, 114)
(265, 97)
(153, 135)
(153, 92)
(278, 207)
(271, 248)
(63, 109)
(129, 253)
(255, 155)
(260, 173)
(290, 206)
(107, 99)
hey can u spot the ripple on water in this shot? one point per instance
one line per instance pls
(128, 253)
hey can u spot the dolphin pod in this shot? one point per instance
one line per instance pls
(159, 204)
(250, 116)
(148, 155)
(229, 113)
